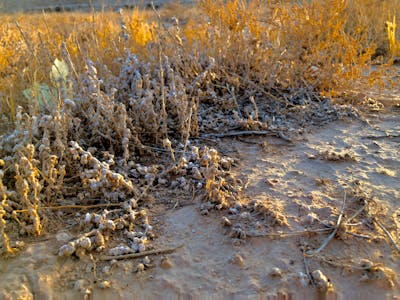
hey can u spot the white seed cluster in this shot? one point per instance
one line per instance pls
(131, 221)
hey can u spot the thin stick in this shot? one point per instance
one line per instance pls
(387, 234)
(388, 136)
(280, 234)
(72, 207)
(25, 38)
(363, 236)
(244, 133)
(307, 269)
(330, 237)
(138, 255)
(357, 213)
(345, 265)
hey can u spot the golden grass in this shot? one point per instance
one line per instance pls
(330, 38)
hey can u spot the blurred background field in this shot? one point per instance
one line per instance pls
(57, 5)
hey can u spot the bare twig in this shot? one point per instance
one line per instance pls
(72, 207)
(307, 269)
(378, 137)
(27, 42)
(138, 255)
(243, 133)
(292, 233)
(363, 236)
(359, 211)
(335, 229)
(387, 234)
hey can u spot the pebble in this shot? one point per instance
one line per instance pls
(104, 284)
(276, 272)
(321, 281)
(303, 279)
(66, 250)
(237, 259)
(166, 263)
(226, 222)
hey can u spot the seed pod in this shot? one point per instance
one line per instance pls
(67, 250)
(98, 239)
(86, 243)
(119, 250)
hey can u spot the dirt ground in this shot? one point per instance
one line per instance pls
(329, 174)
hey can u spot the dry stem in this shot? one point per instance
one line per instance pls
(138, 255)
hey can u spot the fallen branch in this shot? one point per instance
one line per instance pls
(307, 269)
(244, 133)
(138, 255)
(71, 207)
(292, 233)
(359, 211)
(387, 234)
(335, 229)
(378, 137)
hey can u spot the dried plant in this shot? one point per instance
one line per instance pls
(394, 44)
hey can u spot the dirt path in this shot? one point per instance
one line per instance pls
(302, 186)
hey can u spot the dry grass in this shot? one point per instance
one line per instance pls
(84, 96)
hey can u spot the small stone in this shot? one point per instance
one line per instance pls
(321, 281)
(219, 206)
(237, 259)
(204, 212)
(310, 218)
(226, 222)
(303, 279)
(66, 250)
(166, 263)
(146, 260)
(105, 284)
(276, 272)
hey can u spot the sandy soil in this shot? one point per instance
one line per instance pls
(333, 171)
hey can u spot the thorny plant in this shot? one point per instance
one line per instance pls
(135, 86)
